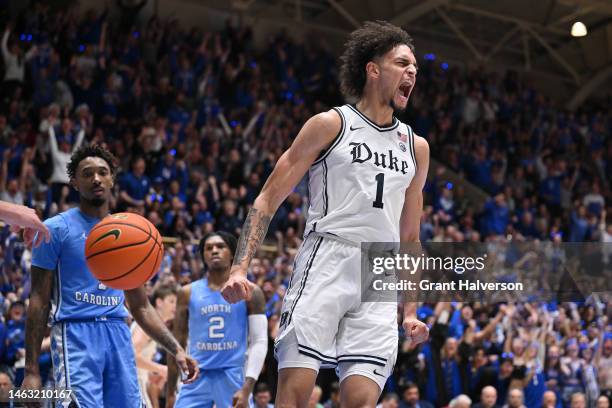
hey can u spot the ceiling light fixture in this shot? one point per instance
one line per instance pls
(578, 29)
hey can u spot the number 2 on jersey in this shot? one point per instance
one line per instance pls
(215, 327)
(380, 182)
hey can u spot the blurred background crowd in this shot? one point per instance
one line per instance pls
(197, 120)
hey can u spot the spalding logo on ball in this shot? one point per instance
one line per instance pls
(124, 250)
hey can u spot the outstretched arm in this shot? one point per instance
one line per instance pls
(6, 54)
(180, 330)
(316, 135)
(36, 324)
(600, 340)
(79, 141)
(257, 350)
(410, 222)
(147, 317)
(53, 141)
(491, 326)
(20, 216)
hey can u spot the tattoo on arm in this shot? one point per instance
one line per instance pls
(253, 233)
(37, 315)
(180, 328)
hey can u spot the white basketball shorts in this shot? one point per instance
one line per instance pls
(323, 321)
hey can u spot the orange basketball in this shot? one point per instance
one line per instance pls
(124, 250)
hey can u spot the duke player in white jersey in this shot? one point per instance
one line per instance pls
(367, 172)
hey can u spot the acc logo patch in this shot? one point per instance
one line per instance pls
(402, 147)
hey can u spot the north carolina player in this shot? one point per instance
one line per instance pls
(90, 340)
(217, 332)
(367, 172)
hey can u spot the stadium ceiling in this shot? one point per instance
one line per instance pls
(527, 35)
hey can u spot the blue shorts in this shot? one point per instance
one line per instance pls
(96, 361)
(212, 387)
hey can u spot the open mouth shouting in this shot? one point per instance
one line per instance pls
(403, 92)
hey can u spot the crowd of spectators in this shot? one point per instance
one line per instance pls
(197, 120)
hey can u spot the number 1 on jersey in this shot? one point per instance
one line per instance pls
(380, 182)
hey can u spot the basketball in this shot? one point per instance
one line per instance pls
(124, 251)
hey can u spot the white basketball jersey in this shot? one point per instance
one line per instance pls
(357, 186)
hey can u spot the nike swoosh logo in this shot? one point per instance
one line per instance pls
(356, 128)
(382, 375)
(114, 232)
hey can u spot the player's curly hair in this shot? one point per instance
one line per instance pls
(90, 151)
(373, 40)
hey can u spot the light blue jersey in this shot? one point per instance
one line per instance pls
(91, 345)
(217, 329)
(77, 294)
(218, 342)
